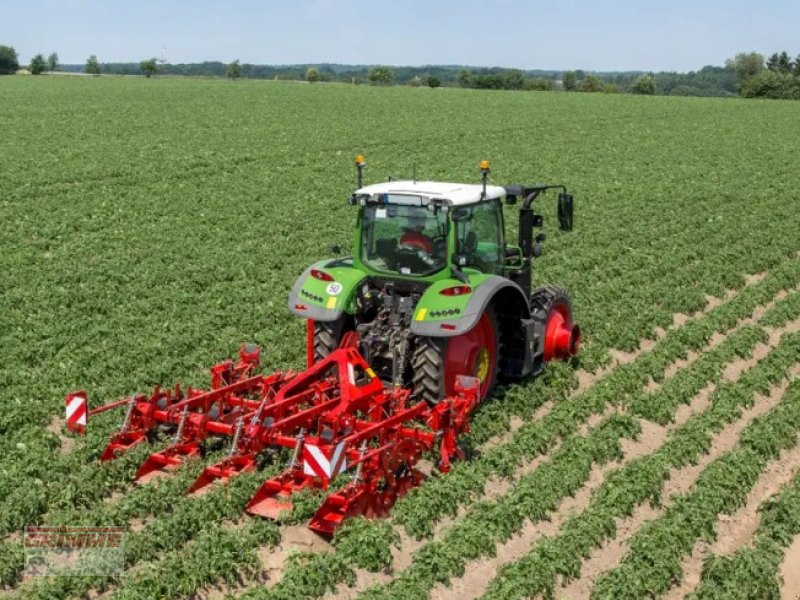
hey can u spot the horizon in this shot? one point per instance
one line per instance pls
(613, 36)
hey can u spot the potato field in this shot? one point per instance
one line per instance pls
(149, 227)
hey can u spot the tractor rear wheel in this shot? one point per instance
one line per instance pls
(438, 361)
(327, 336)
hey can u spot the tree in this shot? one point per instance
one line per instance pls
(52, 62)
(415, 81)
(772, 84)
(797, 65)
(313, 75)
(38, 65)
(747, 65)
(381, 75)
(644, 84)
(149, 67)
(433, 81)
(9, 63)
(780, 63)
(590, 83)
(464, 78)
(539, 84)
(234, 70)
(570, 81)
(514, 80)
(92, 67)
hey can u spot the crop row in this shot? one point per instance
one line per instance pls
(133, 497)
(540, 492)
(725, 316)
(639, 481)
(752, 571)
(178, 519)
(425, 505)
(456, 543)
(656, 550)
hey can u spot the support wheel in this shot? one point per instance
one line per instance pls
(437, 361)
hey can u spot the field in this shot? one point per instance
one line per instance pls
(151, 226)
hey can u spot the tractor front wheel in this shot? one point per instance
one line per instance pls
(552, 306)
(438, 361)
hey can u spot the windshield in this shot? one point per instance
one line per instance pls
(404, 237)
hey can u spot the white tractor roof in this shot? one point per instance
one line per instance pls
(455, 193)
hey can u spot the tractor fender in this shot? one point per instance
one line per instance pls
(446, 316)
(313, 298)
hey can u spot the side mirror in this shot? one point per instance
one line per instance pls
(565, 210)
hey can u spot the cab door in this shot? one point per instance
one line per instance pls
(479, 235)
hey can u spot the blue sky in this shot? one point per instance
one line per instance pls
(603, 35)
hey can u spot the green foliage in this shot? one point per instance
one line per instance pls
(92, 66)
(234, 70)
(644, 85)
(570, 81)
(149, 67)
(610, 88)
(780, 63)
(655, 558)
(514, 80)
(656, 551)
(432, 81)
(381, 75)
(52, 62)
(746, 65)
(96, 296)
(590, 83)
(539, 84)
(9, 62)
(464, 78)
(38, 65)
(415, 81)
(313, 75)
(772, 84)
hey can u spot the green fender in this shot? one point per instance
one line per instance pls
(312, 298)
(438, 315)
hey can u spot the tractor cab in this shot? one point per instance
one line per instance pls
(433, 287)
(425, 230)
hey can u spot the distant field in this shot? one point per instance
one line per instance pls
(151, 226)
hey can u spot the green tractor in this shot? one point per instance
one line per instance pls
(434, 290)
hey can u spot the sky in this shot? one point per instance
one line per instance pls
(606, 35)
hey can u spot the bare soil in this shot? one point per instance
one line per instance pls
(790, 572)
(294, 538)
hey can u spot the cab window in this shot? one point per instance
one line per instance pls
(479, 235)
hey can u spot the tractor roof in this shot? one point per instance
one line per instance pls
(455, 194)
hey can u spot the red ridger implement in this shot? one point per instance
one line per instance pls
(336, 417)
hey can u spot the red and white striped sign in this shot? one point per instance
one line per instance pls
(76, 412)
(324, 462)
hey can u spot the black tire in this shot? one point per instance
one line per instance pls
(428, 368)
(543, 299)
(327, 337)
(428, 365)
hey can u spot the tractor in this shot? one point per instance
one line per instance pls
(434, 290)
(404, 339)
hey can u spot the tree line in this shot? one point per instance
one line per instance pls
(749, 75)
